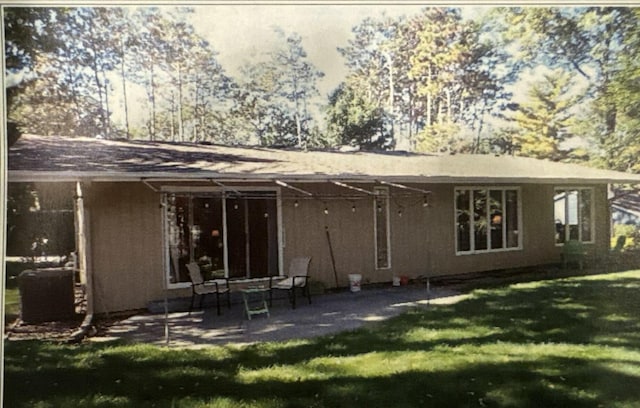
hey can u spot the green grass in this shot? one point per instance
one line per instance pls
(564, 343)
(11, 293)
(11, 305)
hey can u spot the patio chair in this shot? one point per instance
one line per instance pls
(297, 279)
(202, 288)
(573, 252)
(614, 259)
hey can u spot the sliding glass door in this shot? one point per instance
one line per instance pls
(234, 236)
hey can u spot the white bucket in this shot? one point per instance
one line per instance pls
(355, 279)
(396, 281)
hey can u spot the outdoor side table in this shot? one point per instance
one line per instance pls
(255, 300)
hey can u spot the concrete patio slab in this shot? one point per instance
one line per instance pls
(328, 314)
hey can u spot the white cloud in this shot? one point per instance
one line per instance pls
(240, 33)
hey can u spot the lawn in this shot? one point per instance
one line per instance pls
(567, 343)
(11, 293)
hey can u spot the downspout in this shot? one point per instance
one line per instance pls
(83, 265)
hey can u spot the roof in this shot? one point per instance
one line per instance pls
(52, 158)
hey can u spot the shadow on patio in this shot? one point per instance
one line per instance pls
(329, 313)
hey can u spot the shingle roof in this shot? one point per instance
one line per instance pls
(38, 158)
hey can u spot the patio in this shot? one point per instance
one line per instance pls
(329, 313)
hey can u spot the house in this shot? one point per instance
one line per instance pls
(145, 209)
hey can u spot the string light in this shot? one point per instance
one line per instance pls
(296, 204)
(353, 208)
(326, 209)
(425, 204)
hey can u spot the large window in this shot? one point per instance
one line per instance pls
(573, 214)
(381, 219)
(487, 219)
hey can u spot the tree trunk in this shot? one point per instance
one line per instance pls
(96, 77)
(172, 120)
(124, 90)
(180, 118)
(107, 124)
(153, 105)
(449, 118)
(429, 98)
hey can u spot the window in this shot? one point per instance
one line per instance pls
(381, 227)
(573, 214)
(487, 219)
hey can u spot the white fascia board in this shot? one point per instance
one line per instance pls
(42, 176)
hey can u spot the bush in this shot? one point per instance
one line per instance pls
(630, 231)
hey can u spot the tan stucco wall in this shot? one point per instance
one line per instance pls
(351, 234)
(127, 243)
(422, 239)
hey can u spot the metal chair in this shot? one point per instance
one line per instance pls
(297, 279)
(573, 252)
(202, 288)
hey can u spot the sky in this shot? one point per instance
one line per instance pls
(244, 32)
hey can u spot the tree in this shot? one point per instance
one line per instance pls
(124, 37)
(377, 60)
(624, 148)
(355, 119)
(78, 64)
(148, 48)
(588, 41)
(57, 94)
(274, 96)
(28, 34)
(89, 32)
(432, 75)
(455, 76)
(257, 104)
(296, 80)
(545, 119)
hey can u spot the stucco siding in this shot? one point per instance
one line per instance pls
(126, 245)
(351, 235)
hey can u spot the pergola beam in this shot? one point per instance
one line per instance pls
(146, 183)
(225, 186)
(361, 190)
(402, 186)
(289, 186)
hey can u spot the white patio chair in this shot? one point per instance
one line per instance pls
(297, 279)
(202, 288)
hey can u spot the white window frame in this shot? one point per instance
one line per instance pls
(592, 215)
(473, 251)
(381, 192)
(194, 191)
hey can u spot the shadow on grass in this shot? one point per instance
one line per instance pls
(570, 342)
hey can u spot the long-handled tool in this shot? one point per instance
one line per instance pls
(333, 261)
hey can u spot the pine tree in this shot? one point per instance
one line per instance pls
(545, 119)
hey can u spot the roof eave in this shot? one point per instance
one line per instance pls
(17, 176)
